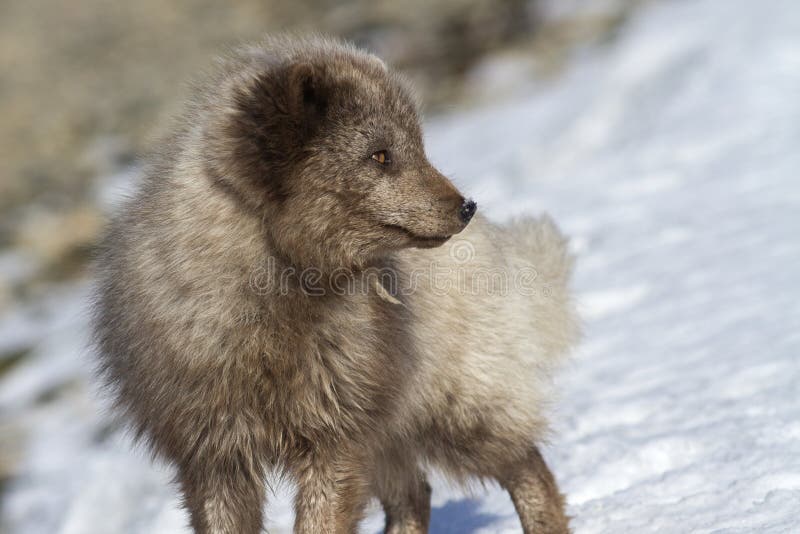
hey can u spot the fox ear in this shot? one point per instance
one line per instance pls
(307, 94)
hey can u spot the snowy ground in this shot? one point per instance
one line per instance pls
(673, 159)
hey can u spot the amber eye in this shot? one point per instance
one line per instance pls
(381, 157)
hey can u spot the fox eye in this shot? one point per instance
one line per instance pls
(382, 157)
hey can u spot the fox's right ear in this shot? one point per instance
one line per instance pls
(307, 93)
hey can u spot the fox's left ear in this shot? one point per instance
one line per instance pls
(274, 116)
(307, 93)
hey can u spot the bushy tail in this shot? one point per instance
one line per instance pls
(539, 242)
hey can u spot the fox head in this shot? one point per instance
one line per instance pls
(325, 144)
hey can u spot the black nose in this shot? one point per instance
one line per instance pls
(467, 210)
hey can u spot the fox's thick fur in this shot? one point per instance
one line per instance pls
(233, 351)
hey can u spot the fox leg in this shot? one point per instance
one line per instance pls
(535, 494)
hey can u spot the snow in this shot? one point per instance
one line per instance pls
(671, 157)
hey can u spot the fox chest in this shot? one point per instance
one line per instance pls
(336, 376)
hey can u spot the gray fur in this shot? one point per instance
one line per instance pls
(229, 369)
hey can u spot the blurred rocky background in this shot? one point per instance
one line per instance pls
(86, 85)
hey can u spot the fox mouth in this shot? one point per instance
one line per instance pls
(423, 240)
